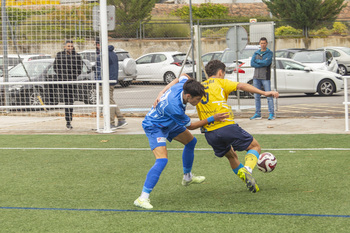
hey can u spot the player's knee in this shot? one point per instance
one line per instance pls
(192, 143)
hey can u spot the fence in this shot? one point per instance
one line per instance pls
(57, 85)
(31, 33)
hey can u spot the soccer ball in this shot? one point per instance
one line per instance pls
(267, 162)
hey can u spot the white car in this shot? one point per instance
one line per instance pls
(162, 66)
(13, 59)
(293, 77)
(342, 56)
(318, 59)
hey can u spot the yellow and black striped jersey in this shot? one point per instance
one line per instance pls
(215, 101)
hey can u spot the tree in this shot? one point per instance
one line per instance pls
(305, 14)
(129, 14)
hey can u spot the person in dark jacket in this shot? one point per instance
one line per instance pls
(68, 66)
(113, 75)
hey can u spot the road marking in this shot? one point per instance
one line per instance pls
(180, 212)
(173, 149)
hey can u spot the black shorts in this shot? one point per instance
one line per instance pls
(231, 135)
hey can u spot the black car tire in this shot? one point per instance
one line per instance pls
(31, 98)
(326, 87)
(169, 77)
(90, 97)
(124, 83)
(342, 70)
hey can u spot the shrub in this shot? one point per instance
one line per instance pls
(322, 32)
(204, 11)
(167, 27)
(288, 31)
(339, 28)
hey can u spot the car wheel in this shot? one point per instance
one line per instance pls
(326, 87)
(342, 70)
(32, 97)
(129, 66)
(169, 77)
(124, 83)
(90, 97)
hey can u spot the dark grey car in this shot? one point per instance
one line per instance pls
(51, 94)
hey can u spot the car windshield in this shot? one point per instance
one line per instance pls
(122, 56)
(33, 69)
(346, 50)
(229, 56)
(89, 56)
(309, 57)
(181, 57)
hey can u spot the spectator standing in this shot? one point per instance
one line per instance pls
(261, 61)
(68, 66)
(113, 75)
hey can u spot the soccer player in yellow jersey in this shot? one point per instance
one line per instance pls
(226, 137)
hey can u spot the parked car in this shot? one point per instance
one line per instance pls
(322, 60)
(13, 59)
(342, 56)
(162, 66)
(41, 71)
(294, 77)
(229, 56)
(211, 56)
(127, 66)
(287, 53)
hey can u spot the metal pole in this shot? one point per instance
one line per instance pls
(346, 103)
(4, 42)
(104, 67)
(192, 42)
(237, 70)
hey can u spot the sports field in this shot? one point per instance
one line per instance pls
(60, 183)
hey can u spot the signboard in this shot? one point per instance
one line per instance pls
(258, 30)
(236, 38)
(110, 18)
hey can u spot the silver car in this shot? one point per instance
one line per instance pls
(342, 56)
(321, 60)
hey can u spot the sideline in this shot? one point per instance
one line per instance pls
(174, 149)
(180, 212)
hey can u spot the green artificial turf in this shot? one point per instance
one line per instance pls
(92, 190)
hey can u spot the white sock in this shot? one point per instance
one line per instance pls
(144, 195)
(188, 176)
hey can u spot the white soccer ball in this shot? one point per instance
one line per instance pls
(267, 162)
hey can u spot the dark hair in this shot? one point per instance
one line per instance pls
(263, 38)
(194, 88)
(69, 41)
(213, 67)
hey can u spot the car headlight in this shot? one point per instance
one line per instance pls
(338, 76)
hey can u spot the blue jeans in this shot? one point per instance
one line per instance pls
(267, 87)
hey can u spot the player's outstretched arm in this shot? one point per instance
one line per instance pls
(249, 88)
(216, 117)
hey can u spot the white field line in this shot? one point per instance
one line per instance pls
(173, 149)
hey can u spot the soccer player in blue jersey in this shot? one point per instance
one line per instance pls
(166, 121)
(226, 137)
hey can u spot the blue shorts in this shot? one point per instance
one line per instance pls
(231, 135)
(158, 136)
